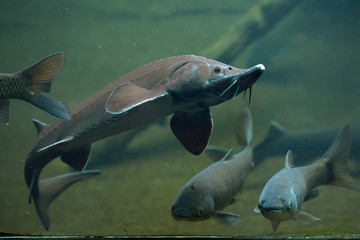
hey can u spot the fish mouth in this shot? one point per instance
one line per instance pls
(180, 213)
(238, 82)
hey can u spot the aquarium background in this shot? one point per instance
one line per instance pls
(311, 53)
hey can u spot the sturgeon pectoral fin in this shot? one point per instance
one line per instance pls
(228, 218)
(303, 217)
(58, 143)
(50, 188)
(77, 158)
(128, 96)
(193, 129)
(4, 111)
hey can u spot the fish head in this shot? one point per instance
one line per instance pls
(193, 204)
(279, 208)
(209, 82)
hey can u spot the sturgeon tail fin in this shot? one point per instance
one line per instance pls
(244, 131)
(336, 158)
(50, 188)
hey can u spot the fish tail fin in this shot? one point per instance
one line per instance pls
(50, 188)
(336, 158)
(42, 72)
(50, 106)
(244, 133)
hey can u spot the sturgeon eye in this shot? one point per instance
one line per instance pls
(217, 69)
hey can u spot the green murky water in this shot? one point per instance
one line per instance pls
(311, 55)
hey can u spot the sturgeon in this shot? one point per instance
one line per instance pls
(215, 187)
(285, 192)
(184, 85)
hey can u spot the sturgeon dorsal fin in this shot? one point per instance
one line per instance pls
(275, 131)
(289, 161)
(128, 96)
(77, 158)
(40, 126)
(192, 129)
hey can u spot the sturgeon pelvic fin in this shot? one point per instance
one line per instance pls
(77, 158)
(50, 188)
(193, 129)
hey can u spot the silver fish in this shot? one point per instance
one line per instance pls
(184, 85)
(285, 192)
(215, 187)
(27, 84)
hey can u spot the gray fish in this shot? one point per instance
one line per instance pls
(306, 146)
(184, 85)
(285, 192)
(27, 85)
(215, 187)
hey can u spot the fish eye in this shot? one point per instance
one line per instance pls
(217, 69)
(200, 212)
(289, 205)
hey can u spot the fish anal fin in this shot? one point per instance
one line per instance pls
(50, 188)
(227, 218)
(303, 217)
(312, 194)
(275, 224)
(50, 106)
(193, 129)
(128, 96)
(4, 111)
(42, 72)
(40, 126)
(77, 158)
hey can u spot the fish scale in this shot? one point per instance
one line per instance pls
(18, 88)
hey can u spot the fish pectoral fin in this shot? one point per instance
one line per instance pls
(228, 218)
(275, 224)
(216, 153)
(4, 111)
(257, 210)
(50, 188)
(77, 158)
(303, 217)
(128, 96)
(193, 129)
(313, 194)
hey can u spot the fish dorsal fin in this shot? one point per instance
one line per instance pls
(4, 111)
(77, 158)
(275, 131)
(128, 96)
(244, 130)
(289, 161)
(40, 126)
(217, 153)
(44, 71)
(193, 129)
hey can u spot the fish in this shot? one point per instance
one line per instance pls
(215, 187)
(185, 86)
(27, 84)
(306, 146)
(283, 195)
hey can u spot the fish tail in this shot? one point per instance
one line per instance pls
(49, 105)
(336, 158)
(244, 133)
(50, 188)
(42, 72)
